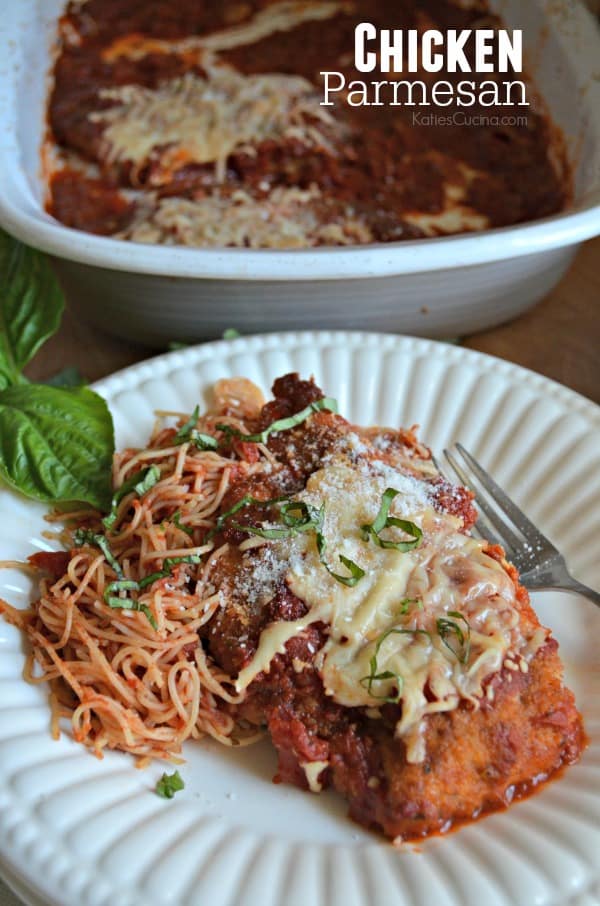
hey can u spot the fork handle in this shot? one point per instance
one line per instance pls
(579, 588)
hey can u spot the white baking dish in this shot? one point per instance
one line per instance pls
(432, 287)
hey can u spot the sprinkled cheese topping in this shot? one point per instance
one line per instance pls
(284, 218)
(424, 627)
(201, 121)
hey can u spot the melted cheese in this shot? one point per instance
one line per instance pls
(456, 216)
(285, 218)
(202, 121)
(448, 571)
(313, 769)
(283, 16)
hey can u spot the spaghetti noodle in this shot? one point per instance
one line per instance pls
(115, 630)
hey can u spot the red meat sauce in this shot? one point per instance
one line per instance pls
(390, 163)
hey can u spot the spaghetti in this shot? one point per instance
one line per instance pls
(115, 629)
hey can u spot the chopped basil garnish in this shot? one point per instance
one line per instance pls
(176, 520)
(118, 603)
(309, 519)
(449, 628)
(168, 565)
(86, 536)
(282, 424)
(383, 520)
(406, 604)
(246, 500)
(189, 434)
(296, 516)
(231, 333)
(184, 432)
(270, 534)
(168, 785)
(309, 516)
(139, 483)
(374, 676)
(356, 572)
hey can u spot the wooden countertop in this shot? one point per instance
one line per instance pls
(559, 338)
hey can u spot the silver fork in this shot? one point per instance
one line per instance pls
(539, 563)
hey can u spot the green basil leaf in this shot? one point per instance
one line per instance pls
(356, 571)
(271, 534)
(168, 565)
(31, 306)
(176, 520)
(116, 603)
(114, 588)
(141, 482)
(282, 424)
(383, 520)
(185, 431)
(56, 444)
(68, 377)
(168, 785)
(246, 500)
(93, 539)
(374, 676)
(449, 629)
(188, 433)
(310, 517)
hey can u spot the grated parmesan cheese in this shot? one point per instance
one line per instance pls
(286, 218)
(202, 121)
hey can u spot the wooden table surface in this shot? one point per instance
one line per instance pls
(559, 338)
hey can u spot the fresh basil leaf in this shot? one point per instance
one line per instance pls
(356, 571)
(141, 482)
(116, 603)
(188, 433)
(93, 539)
(448, 629)
(271, 534)
(282, 424)
(231, 334)
(374, 676)
(168, 565)
(168, 785)
(383, 520)
(185, 431)
(31, 306)
(176, 520)
(174, 345)
(68, 377)
(56, 444)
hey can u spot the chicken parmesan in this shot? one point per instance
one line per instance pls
(273, 567)
(205, 124)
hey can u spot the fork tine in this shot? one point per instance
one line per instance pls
(482, 528)
(490, 518)
(530, 532)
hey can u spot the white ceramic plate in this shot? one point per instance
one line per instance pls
(79, 832)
